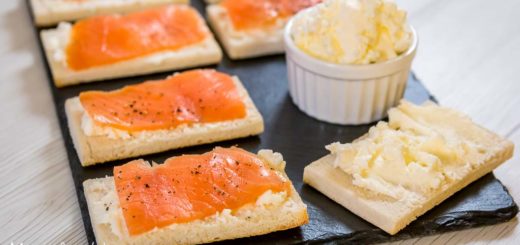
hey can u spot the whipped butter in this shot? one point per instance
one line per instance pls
(353, 31)
(91, 128)
(418, 151)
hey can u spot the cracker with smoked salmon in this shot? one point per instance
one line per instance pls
(251, 28)
(190, 108)
(51, 12)
(111, 46)
(223, 194)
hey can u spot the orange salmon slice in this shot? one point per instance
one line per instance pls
(253, 14)
(197, 96)
(192, 187)
(104, 40)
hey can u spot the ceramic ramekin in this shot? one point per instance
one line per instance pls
(345, 94)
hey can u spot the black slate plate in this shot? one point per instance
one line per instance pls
(301, 140)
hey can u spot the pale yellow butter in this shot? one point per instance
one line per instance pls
(417, 151)
(353, 31)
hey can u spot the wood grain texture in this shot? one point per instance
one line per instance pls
(467, 57)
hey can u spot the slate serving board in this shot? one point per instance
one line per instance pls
(301, 140)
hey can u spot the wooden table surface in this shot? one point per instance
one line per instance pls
(468, 58)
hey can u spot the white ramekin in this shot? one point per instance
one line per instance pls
(345, 94)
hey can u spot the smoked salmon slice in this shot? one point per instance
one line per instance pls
(197, 96)
(192, 187)
(104, 40)
(252, 14)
